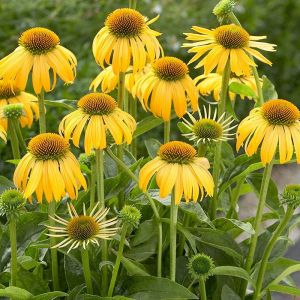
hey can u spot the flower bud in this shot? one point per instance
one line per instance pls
(223, 8)
(201, 265)
(87, 159)
(130, 215)
(11, 202)
(291, 195)
(13, 111)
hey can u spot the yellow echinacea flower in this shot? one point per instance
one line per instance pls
(99, 112)
(178, 167)
(39, 51)
(10, 94)
(125, 40)
(166, 84)
(226, 43)
(275, 123)
(2, 133)
(49, 169)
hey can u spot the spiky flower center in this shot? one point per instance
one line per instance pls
(201, 265)
(10, 201)
(177, 152)
(39, 40)
(130, 215)
(170, 68)
(13, 111)
(97, 104)
(231, 36)
(291, 195)
(125, 22)
(82, 228)
(48, 146)
(208, 129)
(8, 90)
(280, 112)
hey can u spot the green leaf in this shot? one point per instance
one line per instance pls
(73, 271)
(146, 125)
(284, 289)
(15, 293)
(149, 288)
(61, 104)
(268, 89)
(133, 268)
(49, 296)
(232, 271)
(242, 89)
(93, 297)
(195, 210)
(5, 184)
(228, 293)
(182, 128)
(152, 146)
(145, 231)
(228, 224)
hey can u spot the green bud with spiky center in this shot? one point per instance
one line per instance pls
(11, 202)
(130, 215)
(201, 265)
(223, 8)
(13, 111)
(87, 159)
(291, 195)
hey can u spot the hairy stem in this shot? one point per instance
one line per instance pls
(167, 127)
(202, 288)
(86, 270)
(13, 245)
(42, 112)
(173, 233)
(13, 138)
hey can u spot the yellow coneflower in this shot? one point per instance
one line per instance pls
(212, 83)
(83, 229)
(2, 133)
(226, 42)
(40, 51)
(99, 112)
(49, 168)
(274, 123)
(126, 39)
(10, 94)
(166, 83)
(109, 80)
(177, 166)
(209, 128)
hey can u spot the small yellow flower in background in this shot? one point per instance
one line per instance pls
(2, 133)
(209, 128)
(178, 167)
(109, 80)
(99, 113)
(39, 51)
(212, 83)
(10, 94)
(275, 123)
(81, 230)
(49, 168)
(125, 40)
(165, 84)
(226, 42)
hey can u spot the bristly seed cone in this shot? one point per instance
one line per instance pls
(207, 129)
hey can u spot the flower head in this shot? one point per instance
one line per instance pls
(130, 215)
(80, 230)
(10, 94)
(208, 128)
(49, 169)
(126, 39)
(13, 111)
(201, 265)
(39, 50)
(11, 202)
(178, 167)
(226, 43)
(291, 195)
(275, 123)
(99, 113)
(165, 84)
(223, 9)
(212, 83)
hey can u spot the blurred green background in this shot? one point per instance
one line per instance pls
(77, 22)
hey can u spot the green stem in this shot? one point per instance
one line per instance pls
(42, 112)
(257, 222)
(132, 4)
(100, 197)
(202, 288)
(235, 198)
(167, 128)
(13, 245)
(261, 100)
(92, 185)
(13, 139)
(185, 223)
(54, 260)
(86, 270)
(133, 112)
(19, 135)
(152, 204)
(118, 261)
(261, 273)
(201, 150)
(218, 150)
(173, 233)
